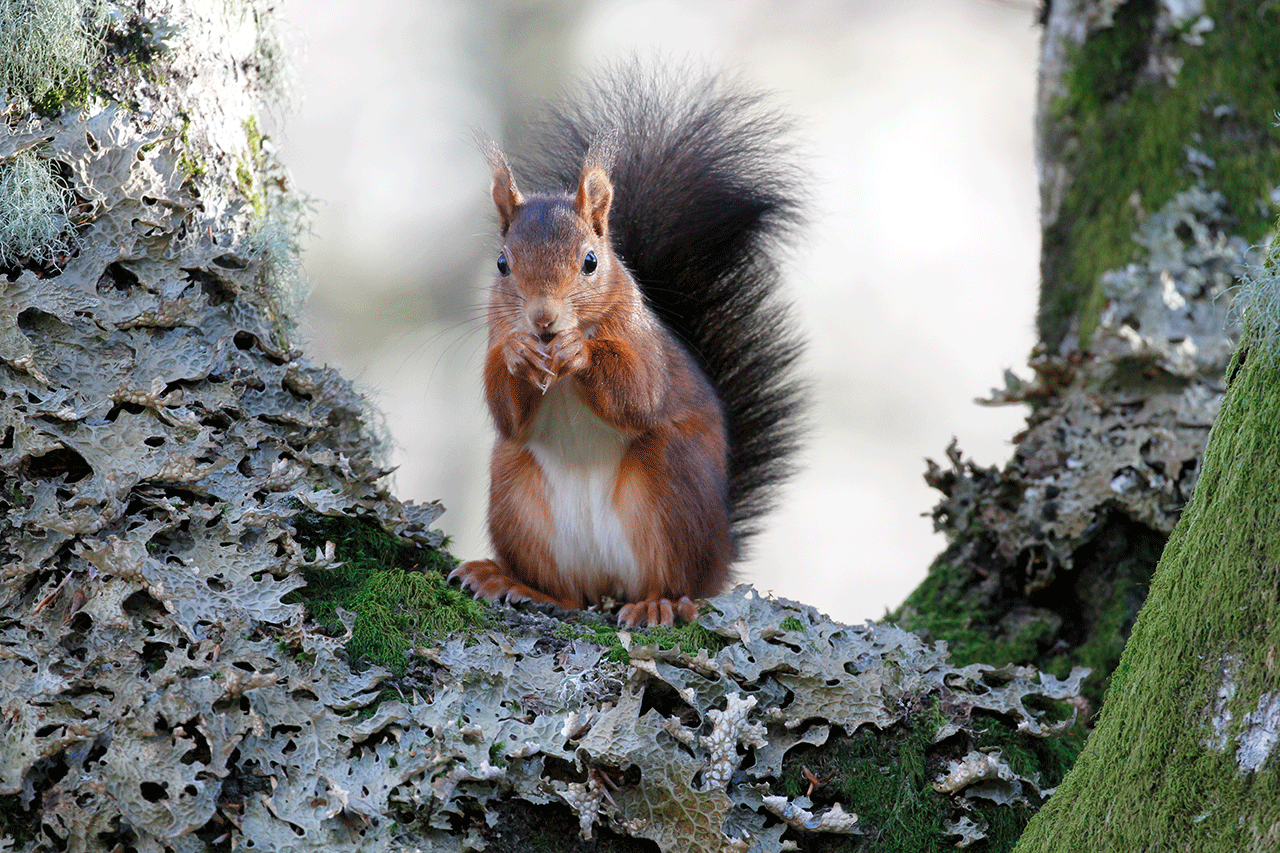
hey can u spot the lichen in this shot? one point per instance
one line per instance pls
(34, 210)
(729, 728)
(688, 637)
(178, 486)
(1258, 302)
(48, 48)
(156, 442)
(1049, 559)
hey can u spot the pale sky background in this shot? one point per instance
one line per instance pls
(916, 281)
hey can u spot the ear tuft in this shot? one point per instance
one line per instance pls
(506, 195)
(595, 195)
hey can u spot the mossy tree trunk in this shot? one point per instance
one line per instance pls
(1159, 166)
(1184, 756)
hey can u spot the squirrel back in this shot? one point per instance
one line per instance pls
(705, 192)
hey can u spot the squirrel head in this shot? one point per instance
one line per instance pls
(556, 260)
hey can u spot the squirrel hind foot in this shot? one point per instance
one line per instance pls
(487, 580)
(657, 611)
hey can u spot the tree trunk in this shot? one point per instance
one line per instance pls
(1184, 756)
(1157, 165)
(170, 471)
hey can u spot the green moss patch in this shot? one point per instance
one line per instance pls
(1082, 619)
(1049, 759)
(17, 824)
(881, 776)
(887, 778)
(689, 638)
(948, 606)
(397, 590)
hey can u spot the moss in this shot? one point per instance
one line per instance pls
(1125, 139)
(1096, 602)
(1158, 772)
(947, 606)
(1110, 628)
(72, 95)
(886, 777)
(187, 161)
(250, 168)
(1107, 65)
(1046, 759)
(396, 590)
(134, 43)
(791, 623)
(688, 637)
(883, 777)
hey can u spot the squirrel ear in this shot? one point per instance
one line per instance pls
(595, 194)
(506, 197)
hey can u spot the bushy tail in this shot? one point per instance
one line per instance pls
(705, 190)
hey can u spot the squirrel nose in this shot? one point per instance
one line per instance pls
(543, 317)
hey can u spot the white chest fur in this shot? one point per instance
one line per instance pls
(579, 455)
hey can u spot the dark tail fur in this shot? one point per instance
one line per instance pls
(705, 190)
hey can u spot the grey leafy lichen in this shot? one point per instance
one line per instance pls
(684, 750)
(729, 728)
(981, 774)
(795, 814)
(1128, 427)
(157, 437)
(1174, 309)
(1051, 556)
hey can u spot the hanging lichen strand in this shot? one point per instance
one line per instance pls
(1185, 756)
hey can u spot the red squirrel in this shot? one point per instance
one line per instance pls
(640, 363)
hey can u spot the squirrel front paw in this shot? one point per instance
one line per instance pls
(567, 353)
(656, 611)
(526, 357)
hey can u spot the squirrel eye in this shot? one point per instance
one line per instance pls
(504, 269)
(589, 263)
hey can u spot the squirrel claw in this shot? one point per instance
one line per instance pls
(657, 611)
(487, 580)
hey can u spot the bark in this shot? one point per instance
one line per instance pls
(1157, 165)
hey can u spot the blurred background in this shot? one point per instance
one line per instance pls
(916, 280)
